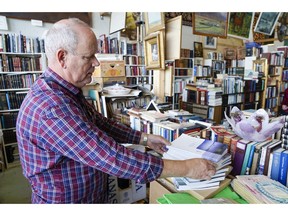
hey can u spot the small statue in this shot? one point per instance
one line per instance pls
(256, 127)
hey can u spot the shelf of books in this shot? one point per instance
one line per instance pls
(22, 60)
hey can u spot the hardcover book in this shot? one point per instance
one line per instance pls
(256, 156)
(246, 157)
(239, 156)
(283, 168)
(275, 167)
(270, 148)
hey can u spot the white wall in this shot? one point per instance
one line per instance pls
(100, 26)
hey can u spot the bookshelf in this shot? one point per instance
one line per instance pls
(284, 76)
(178, 73)
(217, 66)
(136, 73)
(275, 64)
(22, 60)
(233, 95)
(260, 66)
(2, 160)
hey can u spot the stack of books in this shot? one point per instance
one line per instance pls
(214, 97)
(284, 134)
(187, 147)
(259, 189)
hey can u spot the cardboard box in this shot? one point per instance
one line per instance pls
(110, 69)
(119, 191)
(108, 81)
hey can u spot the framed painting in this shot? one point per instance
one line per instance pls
(198, 49)
(267, 22)
(154, 21)
(154, 51)
(117, 21)
(209, 42)
(186, 17)
(230, 53)
(210, 24)
(240, 24)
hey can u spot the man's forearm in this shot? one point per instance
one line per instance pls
(174, 168)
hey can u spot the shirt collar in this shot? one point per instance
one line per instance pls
(59, 80)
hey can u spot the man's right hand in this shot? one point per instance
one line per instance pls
(199, 168)
(196, 168)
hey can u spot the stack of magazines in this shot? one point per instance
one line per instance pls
(187, 147)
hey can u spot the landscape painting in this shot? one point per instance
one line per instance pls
(210, 24)
(240, 24)
(267, 22)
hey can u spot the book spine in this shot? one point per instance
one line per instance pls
(270, 165)
(283, 168)
(275, 165)
(250, 160)
(245, 161)
(261, 165)
(238, 159)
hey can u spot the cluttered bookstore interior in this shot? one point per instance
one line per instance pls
(212, 83)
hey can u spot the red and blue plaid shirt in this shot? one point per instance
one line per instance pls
(67, 152)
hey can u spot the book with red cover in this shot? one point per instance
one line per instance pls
(284, 49)
(267, 55)
(233, 144)
(239, 156)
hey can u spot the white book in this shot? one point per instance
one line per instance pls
(192, 147)
(180, 185)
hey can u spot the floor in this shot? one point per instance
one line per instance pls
(14, 188)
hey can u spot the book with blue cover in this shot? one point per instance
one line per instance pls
(283, 167)
(275, 168)
(213, 150)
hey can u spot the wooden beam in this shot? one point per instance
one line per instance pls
(268, 39)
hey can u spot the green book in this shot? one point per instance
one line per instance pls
(162, 200)
(181, 198)
(246, 157)
(229, 193)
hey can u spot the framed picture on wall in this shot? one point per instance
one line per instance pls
(117, 21)
(267, 22)
(230, 53)
(198, 49)
(154, 51)
(240, 24)
(209, 42)
(210, 24)
(154, 21)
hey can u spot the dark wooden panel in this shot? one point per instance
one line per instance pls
(49, 17)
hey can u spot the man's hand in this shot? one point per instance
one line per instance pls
(156, 142)
(199, 168)
(196, 168)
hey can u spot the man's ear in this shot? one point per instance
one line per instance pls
(61, 58)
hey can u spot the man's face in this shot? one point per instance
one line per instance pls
(81, 64)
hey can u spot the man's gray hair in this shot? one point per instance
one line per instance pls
(62, 35)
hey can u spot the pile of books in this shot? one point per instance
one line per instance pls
(187, 147)
(259, 189)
